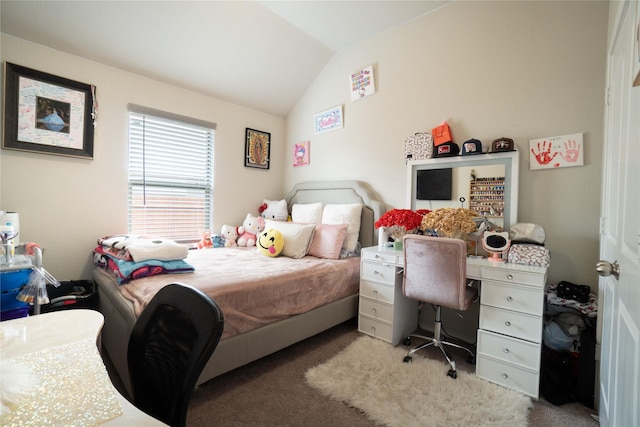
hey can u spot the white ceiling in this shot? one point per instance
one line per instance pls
(259, 54)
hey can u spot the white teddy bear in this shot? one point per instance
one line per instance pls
(251, 227)
(230, 234)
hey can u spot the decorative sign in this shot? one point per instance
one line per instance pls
(556, 152)
(362, 83)
(301, 153)
(330, 119)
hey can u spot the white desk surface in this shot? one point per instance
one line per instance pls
(21, 337)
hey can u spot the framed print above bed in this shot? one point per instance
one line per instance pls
(257, 149)
(47, 114)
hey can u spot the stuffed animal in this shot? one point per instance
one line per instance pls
(217, 241)
(270, 242)
(274, 209)
(205, 241)
(251, 227)
(230, 235)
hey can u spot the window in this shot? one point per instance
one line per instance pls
(170, 175)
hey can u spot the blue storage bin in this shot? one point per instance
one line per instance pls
(11, 282)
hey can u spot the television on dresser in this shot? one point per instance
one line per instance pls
(434, 184)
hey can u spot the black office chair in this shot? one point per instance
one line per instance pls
(435, 272)
(170, 344)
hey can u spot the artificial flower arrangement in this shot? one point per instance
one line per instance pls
(449, 222)
(398, 222)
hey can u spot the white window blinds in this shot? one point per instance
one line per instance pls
(170, 175)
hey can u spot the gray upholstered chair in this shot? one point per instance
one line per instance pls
(435, 273)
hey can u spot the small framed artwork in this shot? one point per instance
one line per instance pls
(47, 114)
(301, 153)
(556, 152)
(327, 120)
(362, 83)
(257, 149)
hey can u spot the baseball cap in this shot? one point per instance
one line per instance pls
(502, 144)
(447, 149)
(471, 146)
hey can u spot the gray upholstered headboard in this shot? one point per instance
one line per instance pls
(338, 192)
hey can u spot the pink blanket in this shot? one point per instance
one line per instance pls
(254, 290)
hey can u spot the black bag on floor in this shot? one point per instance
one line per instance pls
(558, 376)
(71, 294)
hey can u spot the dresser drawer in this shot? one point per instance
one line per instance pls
(375, 328)
(377, 291)
(378, 272)
(512, 350)
(505, 374)
(515, 276)
(519, 325)
(525, 299)
(389, 256)
(376, 310)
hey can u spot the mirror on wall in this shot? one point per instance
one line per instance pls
(487, 182)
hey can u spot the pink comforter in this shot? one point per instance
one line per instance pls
(254, 290)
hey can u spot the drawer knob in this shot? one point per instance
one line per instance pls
(510, 276)
(377, 256)
(375, 272)
(506, 350)
(507, 323)
(374, 311)
(510, 299)
(505, 376)
(373, 329)
(375, 292)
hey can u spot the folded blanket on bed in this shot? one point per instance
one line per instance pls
(133, 247)
(125, 271)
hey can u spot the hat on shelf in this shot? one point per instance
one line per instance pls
(502, 144)
(471, 146)
(447, 149)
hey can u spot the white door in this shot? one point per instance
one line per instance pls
(619, 297)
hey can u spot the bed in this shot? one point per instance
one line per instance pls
(250, 337)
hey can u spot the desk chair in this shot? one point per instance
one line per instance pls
(435, 272)
(170, 344)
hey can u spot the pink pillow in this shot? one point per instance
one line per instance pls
(327, 240)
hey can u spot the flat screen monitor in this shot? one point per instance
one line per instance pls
(434, 184)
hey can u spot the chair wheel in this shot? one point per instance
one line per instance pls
(471, 360)
(407, 341)
(407, 359)
(453, 374)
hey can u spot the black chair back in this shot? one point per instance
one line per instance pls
(170, 344)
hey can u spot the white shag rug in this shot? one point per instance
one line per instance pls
(370, 375)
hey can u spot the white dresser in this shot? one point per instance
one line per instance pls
(511, 323)
(384, 312)
(511, 314)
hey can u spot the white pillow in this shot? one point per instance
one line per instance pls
(345, 214)
(307, 213)
(297, 237)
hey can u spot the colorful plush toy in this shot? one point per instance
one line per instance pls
(230, 235)
(270, 242)
(217, 241)
(274, 209)
(250, 228)
(205, 241)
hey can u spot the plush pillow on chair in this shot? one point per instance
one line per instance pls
(327, 240)
(345, 214)
(297, 237)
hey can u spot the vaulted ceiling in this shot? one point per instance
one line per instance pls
(259, 54)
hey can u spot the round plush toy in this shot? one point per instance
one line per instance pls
(270, 242)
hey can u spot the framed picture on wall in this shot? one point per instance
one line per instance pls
(47, 114)
(257, 149)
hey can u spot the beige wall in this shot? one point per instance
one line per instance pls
(65, 203)
(524, 70)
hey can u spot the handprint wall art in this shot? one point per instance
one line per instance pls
(556, 152)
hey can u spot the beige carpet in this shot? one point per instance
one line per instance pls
(371, 376)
